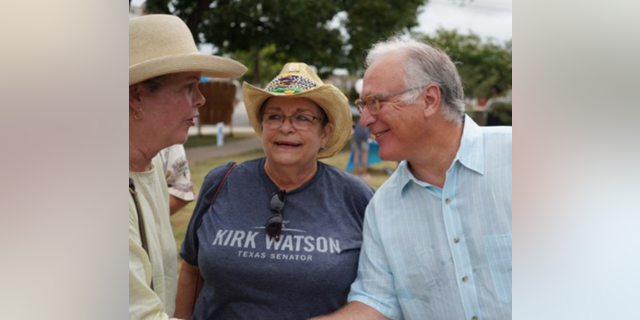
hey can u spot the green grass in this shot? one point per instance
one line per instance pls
(180, 220)
(211, 139)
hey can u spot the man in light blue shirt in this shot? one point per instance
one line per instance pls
(437, 234)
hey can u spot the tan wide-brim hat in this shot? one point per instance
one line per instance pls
(297, 80)
(162, 44)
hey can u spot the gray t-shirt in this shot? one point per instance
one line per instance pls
(250, 276)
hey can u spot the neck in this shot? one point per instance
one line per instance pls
(139, 161)
(290, 177)
(437, 153)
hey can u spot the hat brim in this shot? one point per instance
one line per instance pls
(208, 65)
(328, 97)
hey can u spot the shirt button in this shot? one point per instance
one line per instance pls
(465, 279)
(474, 318)
(447, 201)
(456, 240)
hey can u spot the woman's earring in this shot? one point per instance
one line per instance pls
(135, 114)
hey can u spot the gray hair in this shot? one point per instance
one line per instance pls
(425, 65)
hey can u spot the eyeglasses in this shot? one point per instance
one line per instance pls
(299, 121)
(372, 102)
(274, 223)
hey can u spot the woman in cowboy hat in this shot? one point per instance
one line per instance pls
(164, 71)
(280, 237)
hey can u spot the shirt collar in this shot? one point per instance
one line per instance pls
(470, 155)
(471, 152)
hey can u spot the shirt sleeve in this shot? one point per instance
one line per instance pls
(144, 303)
(374, 284)
(177, 173)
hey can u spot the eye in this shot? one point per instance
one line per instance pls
(273, 116)
(304, 118)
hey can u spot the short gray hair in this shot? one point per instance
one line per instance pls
(425, 65)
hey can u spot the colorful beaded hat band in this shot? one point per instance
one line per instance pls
(290, 84)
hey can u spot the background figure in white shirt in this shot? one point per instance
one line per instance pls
(178, 176)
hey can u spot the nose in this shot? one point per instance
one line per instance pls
(287, 124)
(367, 118)
(199, 98)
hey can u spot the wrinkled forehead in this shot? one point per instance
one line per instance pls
(386, 74)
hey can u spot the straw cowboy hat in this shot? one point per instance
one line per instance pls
(297, 80)
(161, 44)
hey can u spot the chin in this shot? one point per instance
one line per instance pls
(181, 139)
(389, 155)
(282, 161)
(287, 159)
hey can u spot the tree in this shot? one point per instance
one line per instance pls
(371, 21)
(325, 33)
(485, 67)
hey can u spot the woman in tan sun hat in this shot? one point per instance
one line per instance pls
(164, 71)
(280, 237)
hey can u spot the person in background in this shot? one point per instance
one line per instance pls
(437, 234)
(178, 177)
(164, 71)
(282, 237)
(360, 139)
(360, 147)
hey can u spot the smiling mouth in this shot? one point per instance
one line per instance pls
(288, 144)
(380, 133)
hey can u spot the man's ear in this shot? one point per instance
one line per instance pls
(432, 99)
(134, 94)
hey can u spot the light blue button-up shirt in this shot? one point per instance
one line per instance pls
(432, 253)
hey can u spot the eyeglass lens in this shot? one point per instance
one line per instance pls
(370, 102)
(299, 121)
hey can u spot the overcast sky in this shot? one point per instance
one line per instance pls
(486, 18)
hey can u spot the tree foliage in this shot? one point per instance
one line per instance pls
(326, 33)
(371, 21)
(485, 67)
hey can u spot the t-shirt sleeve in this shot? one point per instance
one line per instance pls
(365, 195)
(374, 282)
(189, 249)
